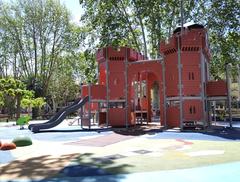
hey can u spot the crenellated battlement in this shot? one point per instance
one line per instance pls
(118, 54)
(193, 38)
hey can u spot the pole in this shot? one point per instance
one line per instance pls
(214, 112)
(89, 106)
(228, 77)
(98, 114)
(180, 69)
(81, 109)
(203, 89)
(135, 96)
(180, 83)
(164, 95)
(238, 100)
(147, 98)
(126, 87)
(107, 84)
(140, 99)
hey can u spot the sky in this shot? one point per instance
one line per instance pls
(74, 7)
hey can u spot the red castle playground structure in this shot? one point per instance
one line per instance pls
(174, 91)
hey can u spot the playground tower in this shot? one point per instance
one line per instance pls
(186, 59)
(173, 91)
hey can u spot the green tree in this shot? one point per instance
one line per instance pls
(38, 30)
(148, 22)
(30, 102)
(223, 21)
(44, 46)
(110, 23)
(138, 24)
(13, 94)
(63, 87)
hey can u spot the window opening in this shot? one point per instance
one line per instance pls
(190, 110)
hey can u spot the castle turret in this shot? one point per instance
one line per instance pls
(186, 60)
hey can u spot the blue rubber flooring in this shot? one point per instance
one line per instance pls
(63, 135)
(222, 134)
(5, 157)
(67, 134)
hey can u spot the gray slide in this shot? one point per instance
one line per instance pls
(59, 116)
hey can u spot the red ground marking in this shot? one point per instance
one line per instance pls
(102, 140)
(184, 142)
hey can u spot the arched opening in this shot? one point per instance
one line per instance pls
(139, 98)
(145, 98)
(155, 103)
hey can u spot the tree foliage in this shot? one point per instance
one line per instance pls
(41, 46)
(14, 95)
(143, 24)
(223, 20)
(39, 31)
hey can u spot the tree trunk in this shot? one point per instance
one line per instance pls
(35, 113)
(35, 54)
(18, 108)
(54, 108)
(144, 37)
(171, 22)
(129, 24)
(142, 28)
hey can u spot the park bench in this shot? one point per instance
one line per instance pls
(4, 116)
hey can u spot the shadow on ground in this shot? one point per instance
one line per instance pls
(133, 130)
(36, 167)
(74, 130)
(214, 133)
(224, 132)
(87, 167)
(46, 168)
(138, 130)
